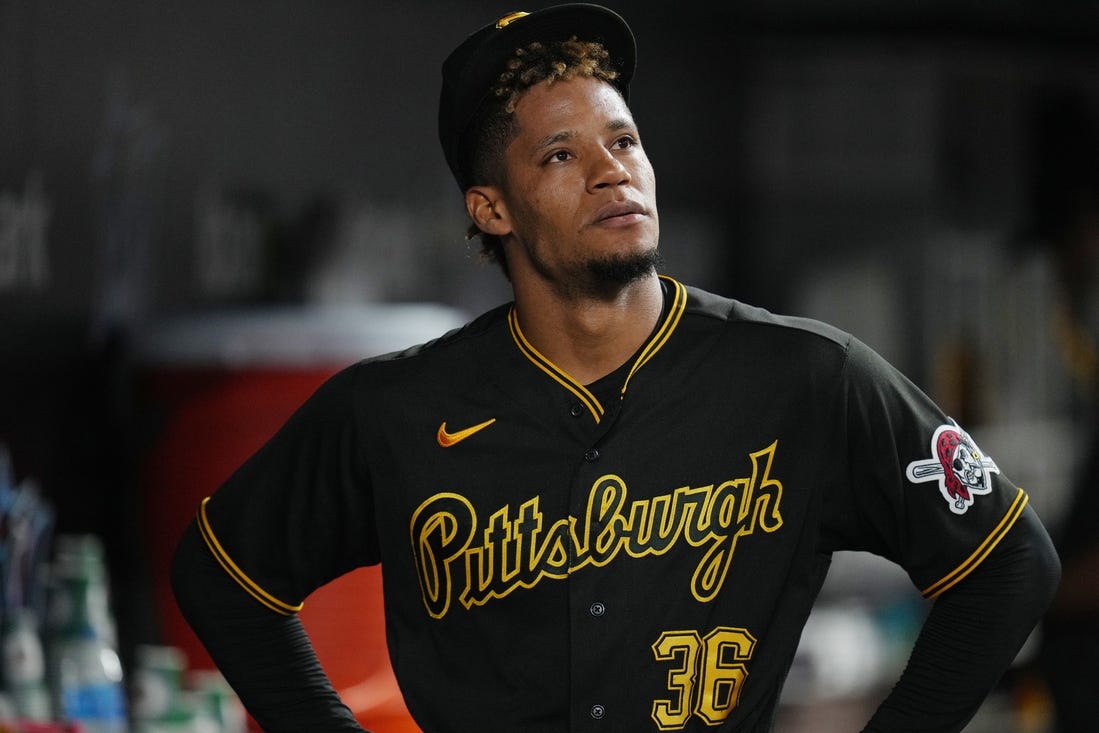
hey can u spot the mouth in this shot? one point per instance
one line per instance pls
(620, 213)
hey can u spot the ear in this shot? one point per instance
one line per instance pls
(486, 208)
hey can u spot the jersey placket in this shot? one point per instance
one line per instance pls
(597, 614)
(587, 414)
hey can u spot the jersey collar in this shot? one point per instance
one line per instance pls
(675, 302)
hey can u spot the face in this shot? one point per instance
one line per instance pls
(578, 205)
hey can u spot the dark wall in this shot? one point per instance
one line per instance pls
(787, 136)
(127, 114)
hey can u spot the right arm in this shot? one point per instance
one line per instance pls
(294, 516)
(266, 657)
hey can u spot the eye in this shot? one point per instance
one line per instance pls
(625, 142)
(559, 156)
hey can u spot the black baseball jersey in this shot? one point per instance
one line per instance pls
(636, 554)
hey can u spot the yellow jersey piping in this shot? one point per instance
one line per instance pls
(978, 556)
(675, 313)
(558, 375)
(654, 344)
(235, 572)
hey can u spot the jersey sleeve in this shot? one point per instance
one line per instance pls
(917, 488)
(300, 511)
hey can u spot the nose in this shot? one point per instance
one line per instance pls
(607, 170)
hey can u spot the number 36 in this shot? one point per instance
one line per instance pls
(708, 675)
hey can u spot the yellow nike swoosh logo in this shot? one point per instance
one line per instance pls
(447, 439)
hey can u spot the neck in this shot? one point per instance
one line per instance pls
(588, 336)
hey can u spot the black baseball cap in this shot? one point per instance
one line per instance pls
(472, 69)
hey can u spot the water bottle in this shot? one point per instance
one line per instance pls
(85, 670)
(23, 666)
(159, 702)
(218, 702)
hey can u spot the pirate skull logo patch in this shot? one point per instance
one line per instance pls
(958, 466)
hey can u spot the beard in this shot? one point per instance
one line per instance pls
(624, 269)
(602, 278)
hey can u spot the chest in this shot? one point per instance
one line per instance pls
(500, 494)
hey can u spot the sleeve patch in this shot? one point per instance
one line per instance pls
(959, 467)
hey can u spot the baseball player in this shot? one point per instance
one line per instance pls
(610, 504)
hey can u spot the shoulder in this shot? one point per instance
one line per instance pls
(453, 354)
(744, 321)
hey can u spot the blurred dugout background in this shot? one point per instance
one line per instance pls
(244, 190)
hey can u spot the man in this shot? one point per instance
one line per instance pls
(610, 504)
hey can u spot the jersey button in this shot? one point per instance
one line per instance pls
(591, 456)
(597, 609)
(598, 712)
(576, 410)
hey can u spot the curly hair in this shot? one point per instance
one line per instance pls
(495, 126)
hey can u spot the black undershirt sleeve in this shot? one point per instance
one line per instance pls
(267, 658)
(972, 634)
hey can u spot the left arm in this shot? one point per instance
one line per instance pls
(972, 634)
